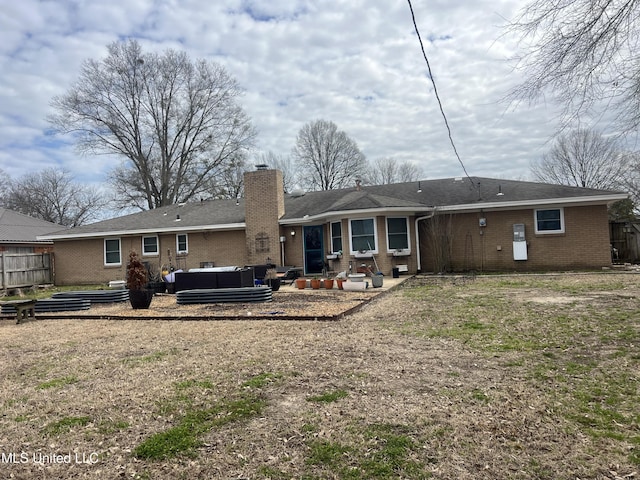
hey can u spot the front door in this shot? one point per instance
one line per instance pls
(313, 249)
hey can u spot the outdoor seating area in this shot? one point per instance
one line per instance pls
(215, 277)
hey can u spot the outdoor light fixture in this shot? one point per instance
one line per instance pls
(293, 233)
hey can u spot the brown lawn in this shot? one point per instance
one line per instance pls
(516, 377)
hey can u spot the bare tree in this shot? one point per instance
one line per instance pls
(388, 170)
(176, 124)
(285, 164)
(4, 187)
(438, 233)
(582, 52)
(326, 157)
(583, 158)
(52, 195)
(231, 181)
(632, 180)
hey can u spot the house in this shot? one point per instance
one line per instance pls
(454, 224)
(25, 260)
(19, 233)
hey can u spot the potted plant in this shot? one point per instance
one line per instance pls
(340, 278)
(315, 283)
(137, 279)
(271, 279)
(328, 283)
(301, 283)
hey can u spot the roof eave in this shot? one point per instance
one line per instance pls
(590, 200)
(144, 231)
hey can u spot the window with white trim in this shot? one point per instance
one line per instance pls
(549, 220)
(150, 245)
(182, 243)
(362, 233)
(336, 237)
(397, 233)
(112, 252)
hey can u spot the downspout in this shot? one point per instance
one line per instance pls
(426, 217)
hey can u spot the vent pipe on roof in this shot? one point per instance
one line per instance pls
(358, 182)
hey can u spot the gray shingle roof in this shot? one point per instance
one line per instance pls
(450, 194)
(18, 228)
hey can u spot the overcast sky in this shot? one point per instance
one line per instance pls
(354, 62)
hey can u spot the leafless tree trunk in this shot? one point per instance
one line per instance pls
(175, 123)
(52, 195)
(326, 157)
(583, 158)
(582, 52)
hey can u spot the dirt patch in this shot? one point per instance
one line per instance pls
(469, 381)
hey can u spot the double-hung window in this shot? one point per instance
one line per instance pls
(112, 255)
(363, 235)
(182, 244)
(397, 233)
(549, 220)
(150, 245)
(336, 237)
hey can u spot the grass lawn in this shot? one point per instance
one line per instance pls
(497, 377)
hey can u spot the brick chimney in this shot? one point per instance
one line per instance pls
(264, 205)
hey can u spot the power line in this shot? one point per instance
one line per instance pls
(435, 89)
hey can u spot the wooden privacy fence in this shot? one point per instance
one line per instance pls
(25, 269)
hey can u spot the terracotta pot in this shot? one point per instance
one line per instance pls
(339, 282)
(301, 283)
(315, 283)
(328, 283)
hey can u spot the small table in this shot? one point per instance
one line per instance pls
(25, 309)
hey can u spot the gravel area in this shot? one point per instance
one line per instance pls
(287, 303)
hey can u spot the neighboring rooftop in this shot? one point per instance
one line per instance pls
(16, 228)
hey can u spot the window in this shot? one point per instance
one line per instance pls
(182, 245)
(112, 251)
(150, 245)
(363, 235)
(550, 220)
(336, 237)
(397, 233)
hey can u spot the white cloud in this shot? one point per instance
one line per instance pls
(354, 62)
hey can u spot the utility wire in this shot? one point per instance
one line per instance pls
(435, 89)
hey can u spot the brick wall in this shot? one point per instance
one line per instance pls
(264, 205)
(81, 262)
(583, 245)
(385, 261)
